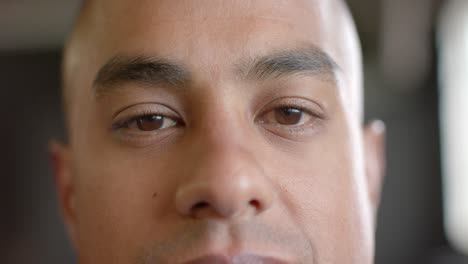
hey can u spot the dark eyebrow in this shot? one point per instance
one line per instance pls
(143, 69)
(309, 60)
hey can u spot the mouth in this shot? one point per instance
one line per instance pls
(238, 259)
(220, 243)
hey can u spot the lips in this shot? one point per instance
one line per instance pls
(239, 259)
(213, 242)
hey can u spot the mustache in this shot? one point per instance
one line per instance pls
(190, 238)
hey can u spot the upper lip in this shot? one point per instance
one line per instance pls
(237, 259)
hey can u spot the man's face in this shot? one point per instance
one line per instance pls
(217, 131)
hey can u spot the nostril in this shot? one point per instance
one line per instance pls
(202, 200)
(200, 205)
(255, 204)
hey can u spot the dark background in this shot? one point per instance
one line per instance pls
(401, 89)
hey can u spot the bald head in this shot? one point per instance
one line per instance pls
(217, 132)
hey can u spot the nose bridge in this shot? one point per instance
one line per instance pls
(224, 178)
(220, 121)
(221, 128)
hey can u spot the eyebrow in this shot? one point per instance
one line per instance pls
(153, 70)
(142, 69)
(311, 60)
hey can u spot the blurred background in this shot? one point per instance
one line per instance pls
(405, 42)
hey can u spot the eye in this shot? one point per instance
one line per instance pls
(154, 122)
(148, 123)
(287, 116)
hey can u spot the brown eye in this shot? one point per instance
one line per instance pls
(288, 116)
(151, 123)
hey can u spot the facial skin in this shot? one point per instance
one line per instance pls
(217, 132)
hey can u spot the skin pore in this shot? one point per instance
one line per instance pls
(217, 132)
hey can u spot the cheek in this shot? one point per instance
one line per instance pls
(321, 193)
(121, 202)
(320, 184)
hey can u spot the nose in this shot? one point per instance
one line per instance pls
(224, 182)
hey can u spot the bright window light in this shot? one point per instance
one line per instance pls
(453, 51)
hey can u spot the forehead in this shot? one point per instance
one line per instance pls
(212, 30)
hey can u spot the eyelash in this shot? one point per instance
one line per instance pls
(127, 120)
(295, 129)
(298, 107)
(287, 131)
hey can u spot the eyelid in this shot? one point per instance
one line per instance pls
(132, 112)
(305, 105)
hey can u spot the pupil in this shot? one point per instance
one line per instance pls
(149, 123)
(288, 116)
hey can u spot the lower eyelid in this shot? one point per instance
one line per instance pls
(314, 120)
(124, 127)
(299, 130)
(140, 140)
(133, 118)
